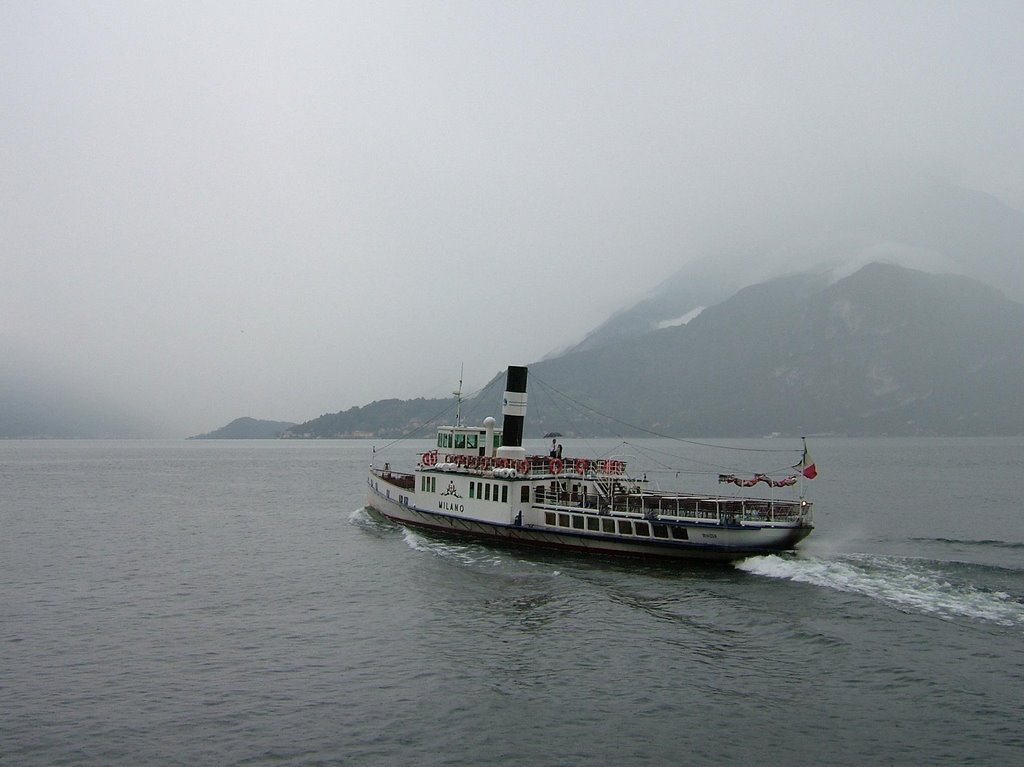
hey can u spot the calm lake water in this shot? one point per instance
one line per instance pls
(231, 603)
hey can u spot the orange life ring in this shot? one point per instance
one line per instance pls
(582, 464)
(556, 465)
(430, 458)
(523, 466)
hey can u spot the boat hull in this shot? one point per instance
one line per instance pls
(705, 542)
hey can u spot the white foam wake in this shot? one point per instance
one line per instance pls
(464, 553)
(360, 516)
(905, 584)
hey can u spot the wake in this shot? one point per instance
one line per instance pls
(906, 584)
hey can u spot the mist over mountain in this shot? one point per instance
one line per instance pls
(39, 400)
(909, 219)
(865, 314)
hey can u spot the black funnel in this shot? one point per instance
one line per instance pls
(514, 406)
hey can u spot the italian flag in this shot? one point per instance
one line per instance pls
(806, 465)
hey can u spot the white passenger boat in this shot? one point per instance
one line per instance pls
(480, 482)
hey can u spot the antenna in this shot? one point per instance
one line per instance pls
(458, 395)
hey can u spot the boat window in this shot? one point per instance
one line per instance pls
(593, 523)
(472, 489)
(577, 521)
(563, 520)
(625, 527)
(679, 533)
(504, 494)
(524, 494)
(549, 517)
(487, 492)
(540, 493)
(471, 441)
(608, 525)
(460, 441)
(497, 441)
(660, 531)
(642, 528)
(440, 439)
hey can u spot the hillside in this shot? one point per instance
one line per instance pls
(887, 350)
(248, 428)
(384, 418)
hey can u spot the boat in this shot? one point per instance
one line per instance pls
(479, 482)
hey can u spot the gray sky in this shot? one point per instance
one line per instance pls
(216, 209)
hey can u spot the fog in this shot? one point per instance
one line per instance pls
(280, 210)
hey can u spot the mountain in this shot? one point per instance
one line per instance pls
(248, 428)
(911, 220)
(384, 418)
(887, 350)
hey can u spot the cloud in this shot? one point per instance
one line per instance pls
(279, 210)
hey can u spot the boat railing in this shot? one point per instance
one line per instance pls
(706, 510)
(400, 479)
(723, 510)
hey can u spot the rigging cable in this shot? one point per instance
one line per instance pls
(655, 433)
(474, 398)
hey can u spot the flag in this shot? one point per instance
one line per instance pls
(806, 465)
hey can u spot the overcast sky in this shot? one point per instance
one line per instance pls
(216, 209)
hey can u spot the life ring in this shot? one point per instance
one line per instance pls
(556, 465)
(430, 458)
(582, 464)
(523, 466)
(618, 467)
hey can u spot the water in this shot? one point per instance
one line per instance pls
(232, 604)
